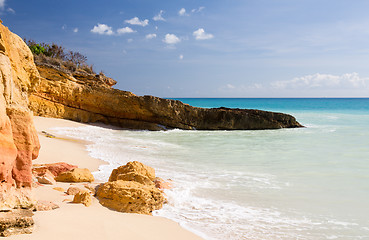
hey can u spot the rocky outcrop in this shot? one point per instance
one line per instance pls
(62, 95)
(131, 189)
(76, 175)
(19, 143)
(16, 222)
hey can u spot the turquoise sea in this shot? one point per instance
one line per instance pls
(306, 183)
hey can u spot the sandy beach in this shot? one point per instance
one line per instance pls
(75, 221)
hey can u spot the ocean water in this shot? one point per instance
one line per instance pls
(306, 183)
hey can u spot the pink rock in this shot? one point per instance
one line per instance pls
(54, 168)
(162, 184)
(46, 178)
(45, 206)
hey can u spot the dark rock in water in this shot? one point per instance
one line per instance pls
(63, 96)
(17, 221)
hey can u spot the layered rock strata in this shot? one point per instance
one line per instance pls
(62, 95)
(19, 143)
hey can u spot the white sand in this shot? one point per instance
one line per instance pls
(75, 221)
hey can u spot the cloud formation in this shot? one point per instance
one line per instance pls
(75, 30)
(11, 10)
(182, 12)
(347, 80)
(159, 17)
(200, 34)
(150, 36)
(125, 30)
(2, 4)
(197, 10)
(102, 29)
(171, 39)
(137, 21)
(181, 57)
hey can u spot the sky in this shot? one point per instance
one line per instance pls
(210, 48)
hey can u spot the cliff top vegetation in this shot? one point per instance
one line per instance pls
(58, 57)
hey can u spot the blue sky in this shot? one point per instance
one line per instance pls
(217, 48)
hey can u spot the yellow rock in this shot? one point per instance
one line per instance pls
(76, 175)
(74, 190)
(133, 167)
(84, 198)
(60, 189)
(130, 197)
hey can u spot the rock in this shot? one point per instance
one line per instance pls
(54, 168)
(162, 184)
(84, 198)
(130, 197)
(74, 190)
(45, 206)
(62, 95)
(60, 189)
(90, 188)
(19, 143)
(17, 221)
(76, 175)
(136, 178)
(46, 178)
(139, 169)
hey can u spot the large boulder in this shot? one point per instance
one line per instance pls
(76, 175)
(134, 169)
(17, 221)
(19, 143)
(130, 197)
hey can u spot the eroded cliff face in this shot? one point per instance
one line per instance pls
(19, 143)
(61, 95)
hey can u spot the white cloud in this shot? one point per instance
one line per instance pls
(171, 39)
(125, 30)
(75, 30)
(182, 12)
(64, 27)
(11, 10)
(151, 36)
(2, 4)
(102, 29)
(181, 57)
(136, 21)
(159, 17)
(200, 34)
(348, 80)
(230, 86)
(129, 40)
(197, 10)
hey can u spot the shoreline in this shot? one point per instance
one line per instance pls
(75, 221)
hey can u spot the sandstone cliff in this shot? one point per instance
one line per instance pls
(79, 98)
(19, 143)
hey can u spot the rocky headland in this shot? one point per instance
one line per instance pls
(84, 97)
